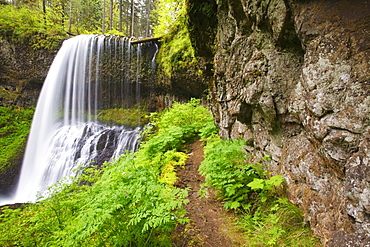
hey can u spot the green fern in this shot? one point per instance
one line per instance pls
(130, 202)
(226, 169)
(266, 219)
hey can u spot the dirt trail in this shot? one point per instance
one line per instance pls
(210, 224)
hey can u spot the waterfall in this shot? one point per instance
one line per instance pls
(89, 73)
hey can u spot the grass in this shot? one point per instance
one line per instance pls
(276, 222)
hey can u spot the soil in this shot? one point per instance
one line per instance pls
(210, 224)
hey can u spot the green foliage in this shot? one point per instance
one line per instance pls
(226, 170)
(171, 160)
(180, 124)
(27, 25)
(131, 117)
(190, 116)
(264, 186)
(131, 202)
(43, 24)
(166, 14)
(14, 128)
(266, 219)
(276, 222)
(126, 206)
(177, 52)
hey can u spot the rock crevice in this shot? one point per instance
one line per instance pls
(291, 77)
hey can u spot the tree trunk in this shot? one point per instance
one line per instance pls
(132, 18)
(120, 15)
(147, 27)
(103, 19)
(63, 15)
(111, 15)
(70, 17)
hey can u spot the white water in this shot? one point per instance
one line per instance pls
(65, 133)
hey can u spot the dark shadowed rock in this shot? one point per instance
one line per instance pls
(292, 78)
(22, 73)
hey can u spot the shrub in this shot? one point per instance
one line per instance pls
(225, 169)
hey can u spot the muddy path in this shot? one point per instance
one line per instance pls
(210, 224)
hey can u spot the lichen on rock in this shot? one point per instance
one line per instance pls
(292, 78)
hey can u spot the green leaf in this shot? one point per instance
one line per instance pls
(257, 183)
(275, 180)
(235, 205)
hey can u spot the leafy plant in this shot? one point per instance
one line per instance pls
(227, 171)
(130, 202)
(276, 222)
(266, 219)
(171, 160)
(265, 186)
(180, 124)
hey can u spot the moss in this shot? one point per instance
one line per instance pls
(130, 117)
(8, 96)
(14, 128)
(177, 52)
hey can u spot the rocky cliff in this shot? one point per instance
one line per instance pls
(292, 78)
(22, 73)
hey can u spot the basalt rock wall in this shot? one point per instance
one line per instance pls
(22, 73)
(292, 78)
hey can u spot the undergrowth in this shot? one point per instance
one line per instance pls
(264, 216)
(14, 127)
(130, 202)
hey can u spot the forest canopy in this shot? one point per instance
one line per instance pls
(43, 23)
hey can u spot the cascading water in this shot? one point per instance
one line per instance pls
(89, 73)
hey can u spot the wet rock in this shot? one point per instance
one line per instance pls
(292, 78)
(22, 73)
(9, 176)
